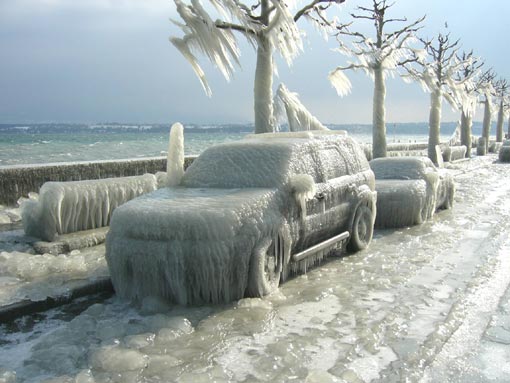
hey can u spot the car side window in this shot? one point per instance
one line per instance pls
(332, 162)
(307, 164)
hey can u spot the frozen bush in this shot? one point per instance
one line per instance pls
(481, 147)
(67, 207)
(504, 153)
(454, 153)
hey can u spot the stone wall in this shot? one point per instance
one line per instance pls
(19, 180)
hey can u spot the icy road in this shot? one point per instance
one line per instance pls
(426, 304)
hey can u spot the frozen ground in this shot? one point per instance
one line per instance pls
(426, 304)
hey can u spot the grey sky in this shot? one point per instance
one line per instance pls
(110, 60)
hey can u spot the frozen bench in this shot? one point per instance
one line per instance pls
(68, 207)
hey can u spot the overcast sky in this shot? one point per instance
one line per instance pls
(110, 60)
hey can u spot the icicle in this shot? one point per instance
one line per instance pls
(175, 158)
(340, 82)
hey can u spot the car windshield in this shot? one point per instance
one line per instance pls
(242, 164)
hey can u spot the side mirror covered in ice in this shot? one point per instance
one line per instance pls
(302, 187)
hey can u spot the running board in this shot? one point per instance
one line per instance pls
(320, 247)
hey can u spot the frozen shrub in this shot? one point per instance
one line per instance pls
(67, 207)
(481, 148)
(504, 153)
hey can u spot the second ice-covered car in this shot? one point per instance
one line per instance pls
(410, 190)
(245, 214)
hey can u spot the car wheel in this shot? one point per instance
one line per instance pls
(265, 269)
(362, 229)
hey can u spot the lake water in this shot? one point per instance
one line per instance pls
(43, 143)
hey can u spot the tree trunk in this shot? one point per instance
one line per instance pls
(436, 98)
(466, 124)
(379, 115)
(508, 134)
(499, 125)
(487, 114)
(263, 88)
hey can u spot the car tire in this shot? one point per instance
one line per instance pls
(362, 229)
(265, 269)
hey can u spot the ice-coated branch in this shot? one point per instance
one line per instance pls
(298, 117)
(314, 6)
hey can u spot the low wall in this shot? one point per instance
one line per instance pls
(19, 180)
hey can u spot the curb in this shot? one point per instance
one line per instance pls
(16, 310)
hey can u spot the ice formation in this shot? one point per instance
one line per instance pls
(194, 243)
(66, 207)
(400, 203)
(439, 76)
(175, 158)
(504, 152)
(303, 188)
(378, 57)
(454, 153)
(273, 29)
(409, 190)
(481, 146)
(432, 296)
(21, 180)
(298, 117)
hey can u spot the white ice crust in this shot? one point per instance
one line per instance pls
(67, 207)
(194, 243)
(298, 116)
(409, 190)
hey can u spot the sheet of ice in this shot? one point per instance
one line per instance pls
(175, 158)
(383, 314)
(67, 207)
(35, 277)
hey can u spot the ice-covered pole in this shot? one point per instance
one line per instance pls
(175, 158)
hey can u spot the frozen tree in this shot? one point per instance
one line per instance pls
(487, 90)
(268, 25)
(469, 74)
(377, 58)
(437, 74)
(501, 88)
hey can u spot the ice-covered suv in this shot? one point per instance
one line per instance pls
(245, 214)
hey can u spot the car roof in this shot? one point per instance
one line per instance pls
(267, 160)
(401, 167)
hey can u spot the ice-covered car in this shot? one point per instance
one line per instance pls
(245, 214)
(410, 190)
